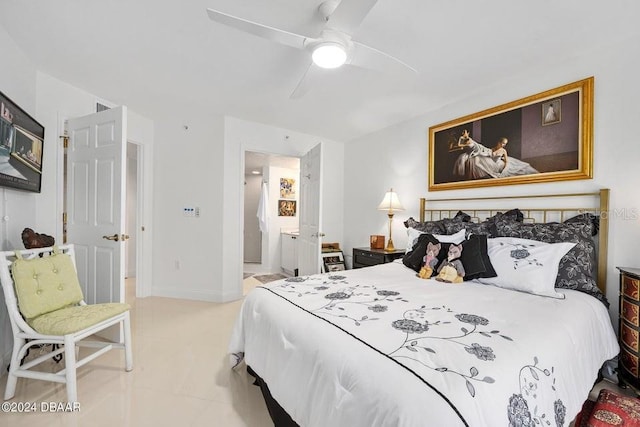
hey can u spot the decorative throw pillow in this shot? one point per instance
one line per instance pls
(434, 227)
(474, 257)
(413, 234)
(486, 227)
(526, 265)
(577, 269)
(415, 258)
(611, 409)
(580, 219)
(45, 284)
(478, 243)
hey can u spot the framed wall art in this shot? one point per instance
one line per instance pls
(21, 147)
(287, 207)
(541, 138)
(333, 261)
(287, 188)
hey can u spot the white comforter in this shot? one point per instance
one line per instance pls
(380, 347)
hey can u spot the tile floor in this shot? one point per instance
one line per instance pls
(180, 377)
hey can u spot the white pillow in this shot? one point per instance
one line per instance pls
(526, 265)
(413, 234)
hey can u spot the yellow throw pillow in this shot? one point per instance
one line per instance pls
(45, 284)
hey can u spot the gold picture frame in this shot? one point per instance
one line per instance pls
(520, 142)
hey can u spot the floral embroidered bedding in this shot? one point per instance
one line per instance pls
(379, 346)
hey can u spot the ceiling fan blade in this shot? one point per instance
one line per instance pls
(369, 57)
(279, 36)
(306, 82)
(349, 15)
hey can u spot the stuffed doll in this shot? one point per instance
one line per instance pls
(451, 270)
(430, 260)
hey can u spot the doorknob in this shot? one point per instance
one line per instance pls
(117, 237)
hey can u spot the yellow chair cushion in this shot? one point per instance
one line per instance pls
(45, 284)
(73, 319)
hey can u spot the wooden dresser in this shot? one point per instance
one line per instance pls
(629, 328)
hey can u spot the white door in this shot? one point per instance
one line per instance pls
(96, 202)
(309, 243)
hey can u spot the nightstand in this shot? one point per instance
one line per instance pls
(629, 327)
(365, 257)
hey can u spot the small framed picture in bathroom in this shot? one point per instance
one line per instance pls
(287, 207)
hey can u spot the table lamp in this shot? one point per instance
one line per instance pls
(390, 203)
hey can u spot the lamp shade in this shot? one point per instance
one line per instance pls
(390, 202)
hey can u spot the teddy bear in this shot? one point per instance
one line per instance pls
(451, 270)
(430, 260)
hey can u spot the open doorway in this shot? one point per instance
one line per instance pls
(274, 179)
(131, 262)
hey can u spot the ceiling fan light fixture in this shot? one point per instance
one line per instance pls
(329, 55)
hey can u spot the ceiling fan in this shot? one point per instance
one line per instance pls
(333, 48)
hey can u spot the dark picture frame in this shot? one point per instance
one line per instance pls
(519, 142)
(21, 147)
(287, 207)
(333, 261)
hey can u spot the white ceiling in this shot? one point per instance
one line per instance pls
(156, 55)
(256, 161)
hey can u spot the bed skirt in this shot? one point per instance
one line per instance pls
(278, 415)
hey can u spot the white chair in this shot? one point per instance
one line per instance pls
(46, 306)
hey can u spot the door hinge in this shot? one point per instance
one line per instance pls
(64, 227)
(65, 141)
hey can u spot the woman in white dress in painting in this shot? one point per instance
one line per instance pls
(479, 161)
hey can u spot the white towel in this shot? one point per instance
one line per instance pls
(263, 209)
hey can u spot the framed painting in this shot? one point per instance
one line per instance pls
(287, 188)
(287, 208)
(541, 138)
(21, 147)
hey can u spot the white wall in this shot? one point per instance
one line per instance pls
(18, 82)
(189, 173)
(400, 154)
(241, 136)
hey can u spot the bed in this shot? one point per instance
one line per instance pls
(380, 346)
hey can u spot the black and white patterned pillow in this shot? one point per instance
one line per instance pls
(439, 226)
(577, 269)
(486, 227)
(432, 227)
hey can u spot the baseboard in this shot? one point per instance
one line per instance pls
(195, 295)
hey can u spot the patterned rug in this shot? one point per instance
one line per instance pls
(266, 278)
